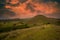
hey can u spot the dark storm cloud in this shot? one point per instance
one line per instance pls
(29, 6)
(2, 3)
(4, 13)
(22, 1)
(56, 1)
(46, 1)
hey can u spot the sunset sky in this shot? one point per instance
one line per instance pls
(29, 8)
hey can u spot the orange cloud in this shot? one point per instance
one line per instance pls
(44, 8)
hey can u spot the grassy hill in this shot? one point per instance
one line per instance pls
(37, 28)
(45, 32)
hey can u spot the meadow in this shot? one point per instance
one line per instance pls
(30, 29)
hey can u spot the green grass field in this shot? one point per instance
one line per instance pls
(43, 32)
(32, 29)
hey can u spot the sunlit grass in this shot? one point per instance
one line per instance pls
(43, 32)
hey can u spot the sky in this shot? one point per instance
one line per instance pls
(29, 8)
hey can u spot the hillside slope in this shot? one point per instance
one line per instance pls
(37, 28)
(45, 32)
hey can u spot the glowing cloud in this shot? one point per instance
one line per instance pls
(30, 8)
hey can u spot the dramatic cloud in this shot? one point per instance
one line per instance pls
(31, 8)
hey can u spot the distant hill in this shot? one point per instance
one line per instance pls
(40, 19)
(43, 20)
